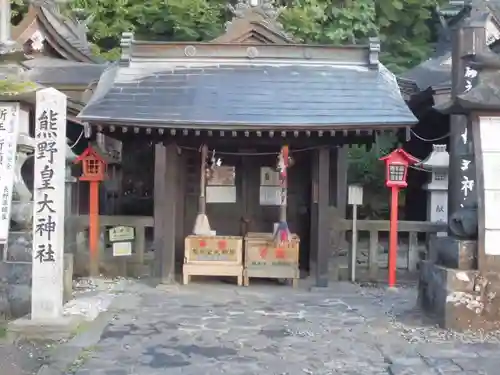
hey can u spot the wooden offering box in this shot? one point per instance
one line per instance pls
(264, 260)
(213, 256)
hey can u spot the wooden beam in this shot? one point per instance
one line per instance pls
(313, 240)
(341, 180)
(165, 194)
(170, 220)
(323, 226)
(159, 194)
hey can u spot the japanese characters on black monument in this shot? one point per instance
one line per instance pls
(463, 202)
(9, 129)
(48, 209)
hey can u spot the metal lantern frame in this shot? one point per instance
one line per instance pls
(396, 168)
(93, 165)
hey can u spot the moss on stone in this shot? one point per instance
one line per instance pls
(13, 87)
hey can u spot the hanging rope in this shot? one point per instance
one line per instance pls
(429, 140)
(77, 140)
(420, 169)
(253, 153)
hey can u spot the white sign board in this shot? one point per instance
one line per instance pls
(221, 194)
(48, 208)
(491, 168)
(121, 249)
(9, 130)
(270, 196)
(355, 195)
(489, 130)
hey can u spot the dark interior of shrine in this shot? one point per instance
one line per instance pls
(432, 128)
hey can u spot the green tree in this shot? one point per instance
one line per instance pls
(186, 20)
(18, 9)
(404, 26)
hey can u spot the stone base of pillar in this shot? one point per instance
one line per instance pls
(453, 253)
(459, 300)
(57, 329)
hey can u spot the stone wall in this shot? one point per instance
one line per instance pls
(15, 276)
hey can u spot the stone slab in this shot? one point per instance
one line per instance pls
(52, 330)
(459, 300)
(453, 253)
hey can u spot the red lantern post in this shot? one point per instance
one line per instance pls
(94, 169)
(396, 164)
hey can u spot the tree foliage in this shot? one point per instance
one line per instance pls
(174, 20)
(405, 27)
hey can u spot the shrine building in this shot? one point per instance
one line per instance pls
(245, 95)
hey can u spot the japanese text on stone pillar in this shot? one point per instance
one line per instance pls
(9, 116)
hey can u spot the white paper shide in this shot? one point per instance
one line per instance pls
(48, 209)
(9, 129)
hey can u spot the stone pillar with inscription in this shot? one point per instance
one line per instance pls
(49, 205)
(437, 163)
(9, 128)
(462, 193)
(461, 283)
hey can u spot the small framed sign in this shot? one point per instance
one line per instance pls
(121, 233)
(121, 238)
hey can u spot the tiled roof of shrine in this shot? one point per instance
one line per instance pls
(342, 89)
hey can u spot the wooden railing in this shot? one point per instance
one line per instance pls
(375, 227)
(80, 223)
(339, 230)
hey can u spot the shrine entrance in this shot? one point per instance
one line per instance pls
(243, 195)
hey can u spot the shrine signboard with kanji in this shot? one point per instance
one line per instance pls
(213, 249)
(9, 130)
(264, 252)
(213, 256)
(264, 258)
(48, 208)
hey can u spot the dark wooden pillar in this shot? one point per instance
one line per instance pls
(323, 226)
(338, 208)
(180, 207)
(341, 180)
(165, 194)
(313, 238)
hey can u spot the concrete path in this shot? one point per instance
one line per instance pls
(268, 329)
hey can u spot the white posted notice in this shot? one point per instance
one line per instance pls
(489, 130)
(48, 209)
(9, 129)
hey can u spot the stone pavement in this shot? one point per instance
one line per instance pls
(21, 358)
(216, 329)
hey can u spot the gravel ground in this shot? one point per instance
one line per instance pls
(23, 358)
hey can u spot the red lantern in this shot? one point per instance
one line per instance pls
(93, 165)
(94, 170)
(396, 164)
